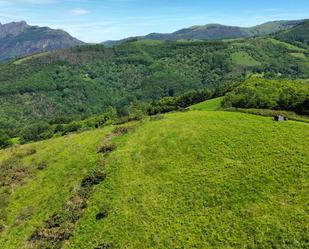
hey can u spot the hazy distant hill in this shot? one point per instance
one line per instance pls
(19, 39)
(217, 31)
(298, 35)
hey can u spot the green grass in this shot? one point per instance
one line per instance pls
(68, 159)
(270, 113)
(204, 180)
(208, 105)
(148, 42)
(191, 180)
(22, 60)
(244, 59)
(299, 55)
(287, 45)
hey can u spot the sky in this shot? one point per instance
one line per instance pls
(101, 20)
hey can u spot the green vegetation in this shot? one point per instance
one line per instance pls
(270, 94)
(190, 180)
(4, 140)
(42, 191)
(270, 113)
(197, 178)
(22, 60)
(86, 81)
(215, 32)
(298, 35)
(299, 55)
(244, 59)
(208, 105)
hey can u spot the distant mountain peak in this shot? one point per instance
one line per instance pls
(20, 39)
(12, 28)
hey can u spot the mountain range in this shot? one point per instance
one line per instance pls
(216, 32)
(19, 39)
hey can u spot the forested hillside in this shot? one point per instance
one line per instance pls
(270, 94)
(89, 79)
(298, 35)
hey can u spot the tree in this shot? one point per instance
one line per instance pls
(4, 140)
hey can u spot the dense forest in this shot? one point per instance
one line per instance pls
(270, 94)
(89, 79)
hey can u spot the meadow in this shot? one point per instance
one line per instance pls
(196, 179)
(209, 105)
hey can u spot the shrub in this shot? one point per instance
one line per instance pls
(107, 148)
(25, 214)
(36, 132)
(179, 103)
(24, 153)
(156, 117)
(12, 171)
(104, 245)
(4, 140)
(103, 212)
(122, 130)
(93, 178)
(72, 127)
(42, 165)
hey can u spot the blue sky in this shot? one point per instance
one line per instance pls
(100, 20)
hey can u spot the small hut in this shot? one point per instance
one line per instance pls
(280, 118)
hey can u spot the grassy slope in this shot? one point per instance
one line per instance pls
(208, 105)
(68, 159)
(27, 58)
(191, 180)
(204, 180)
(244, 59)
(287, 45)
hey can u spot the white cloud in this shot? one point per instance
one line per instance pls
(79, 12)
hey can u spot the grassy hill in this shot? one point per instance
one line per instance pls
(197, 179)
(209, 105)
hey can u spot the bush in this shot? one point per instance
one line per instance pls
(36, 132)
(72, 127)
(104, 246)
(4, 140)
(102, 213)
(107, 148)
(122, 130)
(13, 171)
(156, 117)
(42, 165)
(93, 178)
(170, 104)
